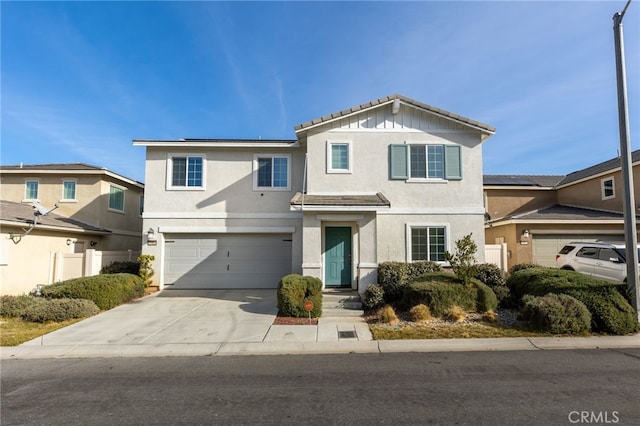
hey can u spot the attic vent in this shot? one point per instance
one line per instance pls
(396, 106)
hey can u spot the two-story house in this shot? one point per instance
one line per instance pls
(537, 215)
(96, 209)
(390, 180)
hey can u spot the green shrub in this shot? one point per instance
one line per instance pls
(556, 313)
(13, 306)
(373, 296)
(106, 291)
(494, 277)
(121, 268)
(486, 299)
(439, 296)
(394, 276)
(58, 310)
(294, 290)
(146, 271)
(462, 261)
(610, 311)
(521, 266)
(490, 274)
(440, 291)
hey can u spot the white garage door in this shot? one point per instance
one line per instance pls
(223, 261)
(545, 247)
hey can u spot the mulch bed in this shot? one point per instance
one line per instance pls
(282, 320)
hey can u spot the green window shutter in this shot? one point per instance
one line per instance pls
(398, 162)
(453, 162)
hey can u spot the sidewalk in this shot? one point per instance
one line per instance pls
(312, 339)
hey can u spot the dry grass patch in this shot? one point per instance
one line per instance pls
(14, 331)
(387, 315)
(447, 330)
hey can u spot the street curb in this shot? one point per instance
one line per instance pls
(322, 347)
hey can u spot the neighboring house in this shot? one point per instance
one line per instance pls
(97, 209)
(537, 215)
(390, 180)
(29, 260)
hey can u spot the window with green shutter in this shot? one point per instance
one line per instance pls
(425, 161)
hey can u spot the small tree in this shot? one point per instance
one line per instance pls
(146, 271)
(462, 260)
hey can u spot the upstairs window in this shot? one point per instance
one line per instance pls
(338, 157)
(271, 172)
(31, 189)
(141, 205)
(116, 198)
(186, 172)
(608, 190)
(69, 190)
(425, 162)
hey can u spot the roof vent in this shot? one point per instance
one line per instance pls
(396, 106)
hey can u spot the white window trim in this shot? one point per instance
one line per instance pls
(124, 199)
(330, 168)
(69, 200)
(169, 173)
(613, 188)
(271, 188)
(140, 205)
(25, 199)
(424, 179)
(447, 238)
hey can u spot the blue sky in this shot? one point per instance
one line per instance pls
(81, 80)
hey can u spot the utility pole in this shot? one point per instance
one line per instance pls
(630, 235)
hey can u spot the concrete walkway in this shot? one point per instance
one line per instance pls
(206, 323)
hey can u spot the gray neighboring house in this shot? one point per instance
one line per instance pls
(389, 180)
(537, 215)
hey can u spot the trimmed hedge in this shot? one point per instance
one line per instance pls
(394, 276)
(121, 268)
(106, 291)
(610, 311)
(556, 313)
(441, 291)
(14, 306)
(58, 310)
(294, 290)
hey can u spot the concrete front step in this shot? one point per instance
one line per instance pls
(341, 304)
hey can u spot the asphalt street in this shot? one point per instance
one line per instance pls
(446, 388)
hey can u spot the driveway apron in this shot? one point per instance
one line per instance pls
(174, 317)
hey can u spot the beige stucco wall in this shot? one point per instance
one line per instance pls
(505, 201)
(91, 204)
(24, 265)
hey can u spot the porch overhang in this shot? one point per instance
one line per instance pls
(339, 203)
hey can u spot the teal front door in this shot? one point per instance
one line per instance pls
(337, 256)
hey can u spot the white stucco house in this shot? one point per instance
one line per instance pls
(390, 180)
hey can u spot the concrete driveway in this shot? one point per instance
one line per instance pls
(175, 317)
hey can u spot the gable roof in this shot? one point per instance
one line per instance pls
(485, 128)
(20, 214)
(539, 181)
(604, 167)
(66, 168)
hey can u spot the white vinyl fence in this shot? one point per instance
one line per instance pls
(65, 266)
(496, 254)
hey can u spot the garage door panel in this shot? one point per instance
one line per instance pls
(227, 260)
